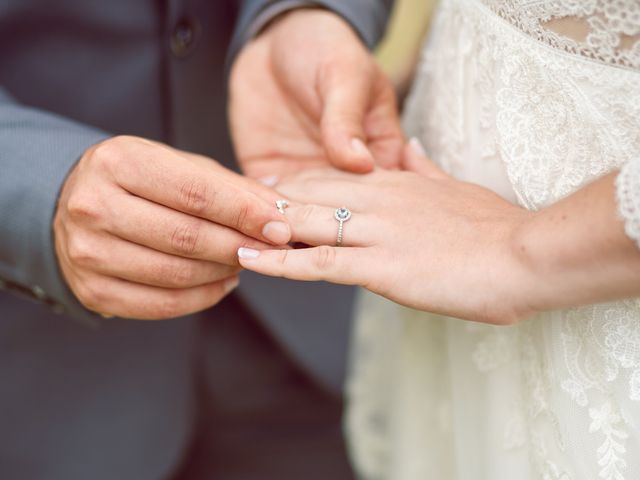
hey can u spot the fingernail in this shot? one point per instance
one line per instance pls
(270, 180)
(277, 232)
(417, 147)
(248, 253)
(359, 148)
(230, 284)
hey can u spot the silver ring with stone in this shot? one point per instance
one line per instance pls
(342, 214)
(281, 205)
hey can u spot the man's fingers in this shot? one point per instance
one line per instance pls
(117, 258)
(121, 298)
(348, 266)
(346, 93)
(261, 187)
(163, 176)
(160, 228)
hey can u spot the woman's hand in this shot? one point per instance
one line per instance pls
(418, 237)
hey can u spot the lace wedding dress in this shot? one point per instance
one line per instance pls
(533, 99)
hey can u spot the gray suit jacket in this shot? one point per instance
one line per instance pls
(72, 73)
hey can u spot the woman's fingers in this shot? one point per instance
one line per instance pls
(326, 191)
(348, 266)
(317, 225)
(330, 173)
(415, 160)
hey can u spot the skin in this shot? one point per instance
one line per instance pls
(306, 93)
(426, 240)
(145, 231)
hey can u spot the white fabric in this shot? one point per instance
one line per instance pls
(532, 99)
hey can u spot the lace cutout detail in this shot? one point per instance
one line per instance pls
(603, 30)
(628, 196)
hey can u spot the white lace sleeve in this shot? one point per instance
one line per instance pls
(628, 196)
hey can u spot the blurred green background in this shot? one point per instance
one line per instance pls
(399, 51)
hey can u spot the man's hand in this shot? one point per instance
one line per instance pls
(146, 231)
(306, 92)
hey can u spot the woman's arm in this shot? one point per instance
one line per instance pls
(577, 252)
(429, 241)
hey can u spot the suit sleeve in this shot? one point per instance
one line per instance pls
(368, 18)
(37, 151)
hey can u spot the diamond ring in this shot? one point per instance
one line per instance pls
(281, 205)
(342, 214)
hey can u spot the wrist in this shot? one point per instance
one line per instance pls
(575, 252)
(527, 253)
(310, 26)
(517, 275)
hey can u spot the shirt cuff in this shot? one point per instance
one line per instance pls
(272, 12)
(366, 17)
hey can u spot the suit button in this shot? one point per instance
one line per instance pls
(183, 38)
(38, 292)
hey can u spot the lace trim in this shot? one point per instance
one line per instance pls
(628, 196)
(610, 27)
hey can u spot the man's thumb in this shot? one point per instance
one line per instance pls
(346, 96)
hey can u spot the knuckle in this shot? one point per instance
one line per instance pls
(195, 196)
(80, 251)
(83, 206)
(243, 212)
(282, 257)
(109, 153)
(170, 306)
(185, 239)
(180, 275)
(90, 295)
(80, 291)
(324, 258)
(307, 213)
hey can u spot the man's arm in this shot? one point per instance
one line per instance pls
(37, 150)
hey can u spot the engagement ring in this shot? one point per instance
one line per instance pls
(281, 205)
(343, 214)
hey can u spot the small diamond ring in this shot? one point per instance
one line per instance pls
(281, 205)
(342, 214)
